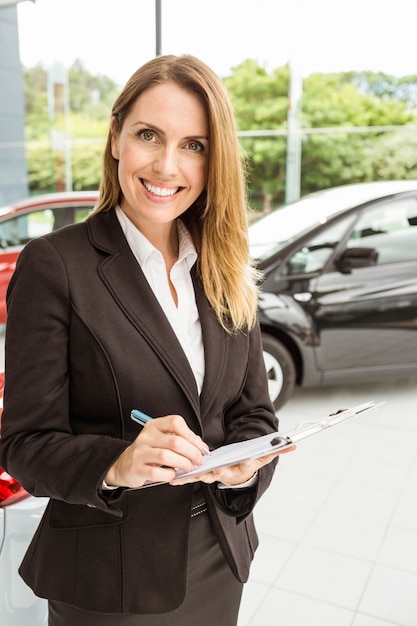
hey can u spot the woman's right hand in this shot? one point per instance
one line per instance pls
(163, 444)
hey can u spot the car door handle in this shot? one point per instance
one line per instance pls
(303, 296)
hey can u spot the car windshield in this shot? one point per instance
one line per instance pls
(274, 231)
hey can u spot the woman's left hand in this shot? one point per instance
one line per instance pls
(234, 474)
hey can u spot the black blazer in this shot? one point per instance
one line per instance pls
(86, 341)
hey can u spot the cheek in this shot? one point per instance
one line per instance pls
(204, 176)
(200, 173)
(130, 155)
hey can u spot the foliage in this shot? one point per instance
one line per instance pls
(86, 165)
(331, 102)
(383, 86)
(41, 168)
(260, 101)
(346, 124)
(91, 95)
(395, 156)
(334, 103)
(90, 102)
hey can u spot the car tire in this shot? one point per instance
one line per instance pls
(280, 370)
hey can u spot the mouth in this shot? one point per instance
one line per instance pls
(160, 192)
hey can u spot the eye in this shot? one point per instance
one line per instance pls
(195, 146)
(147, 135)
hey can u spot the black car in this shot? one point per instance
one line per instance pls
(338, 301)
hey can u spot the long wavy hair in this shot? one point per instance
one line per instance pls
(217, 220)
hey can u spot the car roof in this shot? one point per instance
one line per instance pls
(359, 193)
(31, 202)
(347, 196)
(287, 222)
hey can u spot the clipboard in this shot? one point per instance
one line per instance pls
(234, 453)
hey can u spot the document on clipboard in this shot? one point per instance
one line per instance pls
(234, 453)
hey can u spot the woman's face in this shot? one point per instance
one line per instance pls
(162, 151)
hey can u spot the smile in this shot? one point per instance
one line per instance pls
(161, 192)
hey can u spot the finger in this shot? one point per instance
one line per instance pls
(285, 450)
(178, 455)
(207, 478)
(165, 449)
(175, 424)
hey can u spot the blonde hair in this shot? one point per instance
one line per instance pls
(217, 220)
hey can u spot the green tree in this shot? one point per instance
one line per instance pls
(91, 95)
(90, 102)
(394, 155)
(329, 100)
(36, 103)
(333, 105)
(260, 100)
(41, 168)
(384, 86)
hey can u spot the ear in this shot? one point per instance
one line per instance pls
(114, 140)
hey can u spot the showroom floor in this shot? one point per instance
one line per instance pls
(338, 526)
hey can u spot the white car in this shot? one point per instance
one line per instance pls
(20, 515)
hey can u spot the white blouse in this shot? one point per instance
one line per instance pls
(184, 317)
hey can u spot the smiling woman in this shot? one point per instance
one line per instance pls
(162, 153)
(150, 303)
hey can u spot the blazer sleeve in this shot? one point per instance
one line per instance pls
(36, 437)
(251, 415)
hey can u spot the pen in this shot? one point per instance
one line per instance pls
(142, 418)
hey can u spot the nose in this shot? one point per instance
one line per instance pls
(166, 161)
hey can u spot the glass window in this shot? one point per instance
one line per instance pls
(390, 229)
(17, 231)
(313, 255)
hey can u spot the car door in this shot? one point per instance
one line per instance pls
(365, 302)
(16, 230)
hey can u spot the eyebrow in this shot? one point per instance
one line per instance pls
(159, 130)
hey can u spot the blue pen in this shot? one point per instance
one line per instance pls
(142, 418)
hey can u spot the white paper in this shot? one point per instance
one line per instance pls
(258, 447)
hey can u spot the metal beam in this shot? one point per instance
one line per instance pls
(158, 35)
(293, 160)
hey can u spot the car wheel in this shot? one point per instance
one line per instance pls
(280, 370)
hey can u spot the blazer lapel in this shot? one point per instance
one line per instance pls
(216, 345)
(123, 277)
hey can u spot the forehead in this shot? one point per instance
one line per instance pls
(169, 104)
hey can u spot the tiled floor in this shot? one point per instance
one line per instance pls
(338, 526)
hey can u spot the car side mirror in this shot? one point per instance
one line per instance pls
(353, 258)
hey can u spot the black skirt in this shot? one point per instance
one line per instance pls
(213, 593)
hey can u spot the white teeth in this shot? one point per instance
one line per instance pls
(162, 192)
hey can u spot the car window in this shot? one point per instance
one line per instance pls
(313, 255)
(390, 229)
(18, 230)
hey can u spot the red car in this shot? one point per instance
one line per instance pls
(33, 217)
(20, 513)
